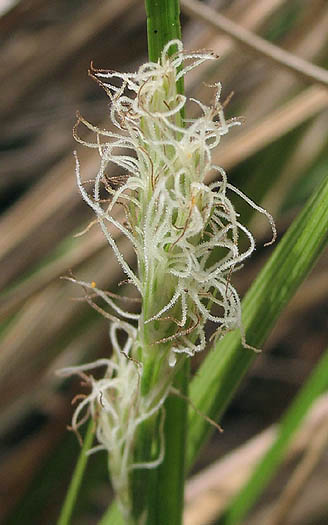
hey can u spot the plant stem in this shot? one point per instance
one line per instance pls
(163, 25)
(159, 492)
(170, 474)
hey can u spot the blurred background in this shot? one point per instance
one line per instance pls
(277, 157)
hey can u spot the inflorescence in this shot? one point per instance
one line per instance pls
(175, 222)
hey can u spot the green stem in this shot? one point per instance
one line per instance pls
(163, 25)
(170, 474)
(142, 480)
(159, 492)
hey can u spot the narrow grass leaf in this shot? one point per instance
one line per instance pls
(73, 490)
(224, 368)
(314, 386)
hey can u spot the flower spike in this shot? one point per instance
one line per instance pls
(174, 221)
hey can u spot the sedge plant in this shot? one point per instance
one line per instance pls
(161, 202)
(174, 221)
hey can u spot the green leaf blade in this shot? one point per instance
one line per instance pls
(77, 477)
(267, 466)
(225, 366)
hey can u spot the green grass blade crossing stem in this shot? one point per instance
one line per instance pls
(224, 368)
